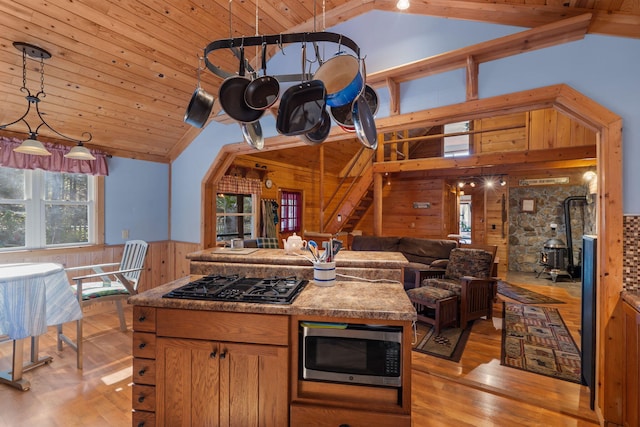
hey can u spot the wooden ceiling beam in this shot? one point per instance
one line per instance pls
(538, 159)
(564, 31)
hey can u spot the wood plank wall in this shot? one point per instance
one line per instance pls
(165, 261)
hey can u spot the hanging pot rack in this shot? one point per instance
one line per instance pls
(275, 39)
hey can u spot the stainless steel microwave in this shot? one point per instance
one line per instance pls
(351, 353)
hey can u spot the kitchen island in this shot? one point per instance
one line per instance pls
(232, 363)
(352, 265)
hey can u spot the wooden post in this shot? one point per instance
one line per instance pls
(377, 204)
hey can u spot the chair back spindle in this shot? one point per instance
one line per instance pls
(133, 256)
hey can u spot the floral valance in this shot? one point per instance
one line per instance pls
(239, 185)
(56, 162)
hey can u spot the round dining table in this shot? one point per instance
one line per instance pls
(33, 296)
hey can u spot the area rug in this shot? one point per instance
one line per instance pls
(525, 296)
(449, 344)
(536, 339)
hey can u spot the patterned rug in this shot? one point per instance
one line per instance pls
(449, 344)
(523, 295)
(535, 339)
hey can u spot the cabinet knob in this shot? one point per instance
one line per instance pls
(142, 318)
(344, 425)
(142, 345)
(142, 371)
(213, 354)
(223, 354)
(141, 424)
(141, 398)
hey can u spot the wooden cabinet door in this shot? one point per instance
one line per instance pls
(253, 385)
(631, 406)
(187, 382)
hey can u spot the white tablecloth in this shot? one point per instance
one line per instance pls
(34, 296)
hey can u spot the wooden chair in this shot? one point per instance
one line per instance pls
(468, 278)
(103, 286)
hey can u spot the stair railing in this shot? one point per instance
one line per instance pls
(363, 167)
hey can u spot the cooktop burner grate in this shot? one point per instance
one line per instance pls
(235, 288)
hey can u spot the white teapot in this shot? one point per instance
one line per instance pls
(294, 243)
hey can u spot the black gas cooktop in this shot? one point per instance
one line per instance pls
(235, 288)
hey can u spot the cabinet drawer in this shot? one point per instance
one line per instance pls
(144, 345)
(144, 371)
(143, 419)
(223, 326)
(144, 319)
(320, 416)
(143, 397)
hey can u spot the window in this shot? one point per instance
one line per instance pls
(290, 212)
(41, 209)
(456, 145)
(235, 215)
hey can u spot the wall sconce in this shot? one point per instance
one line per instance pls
(502, 182)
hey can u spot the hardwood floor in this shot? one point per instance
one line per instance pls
(476, 391)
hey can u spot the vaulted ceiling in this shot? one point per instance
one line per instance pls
(125, 70)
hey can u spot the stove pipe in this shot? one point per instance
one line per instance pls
(574, 271)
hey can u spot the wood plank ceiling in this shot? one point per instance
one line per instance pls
(125, 70)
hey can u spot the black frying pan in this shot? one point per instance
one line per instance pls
(320, 133)
(231, 96)
(344, 115)
(301, 106)
(262, 92)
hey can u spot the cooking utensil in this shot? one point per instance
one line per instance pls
(231, 96)
(343, 115)
(199, 108)
(262, 92)
(200, 105)
(312, 247)
(252, 133)
(301, 106)
(363, 120)
(318, 135)
(342, 79)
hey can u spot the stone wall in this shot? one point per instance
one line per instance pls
(528, 231)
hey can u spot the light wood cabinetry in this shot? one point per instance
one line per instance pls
(143, 394)
(210, 369)
(631, 405)
(204, 383)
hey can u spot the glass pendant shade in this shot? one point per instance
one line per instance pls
(32, 146)
(79, 152)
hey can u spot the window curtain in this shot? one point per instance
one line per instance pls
(56, 162)
(239, 185)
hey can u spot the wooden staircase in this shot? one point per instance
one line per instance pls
(353, 205)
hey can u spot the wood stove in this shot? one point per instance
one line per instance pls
(553, 259)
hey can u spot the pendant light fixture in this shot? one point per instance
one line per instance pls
(80, 152)
(32, 145)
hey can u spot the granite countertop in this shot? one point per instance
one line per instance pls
(352, 299)
(364, 259)
(632, 298)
